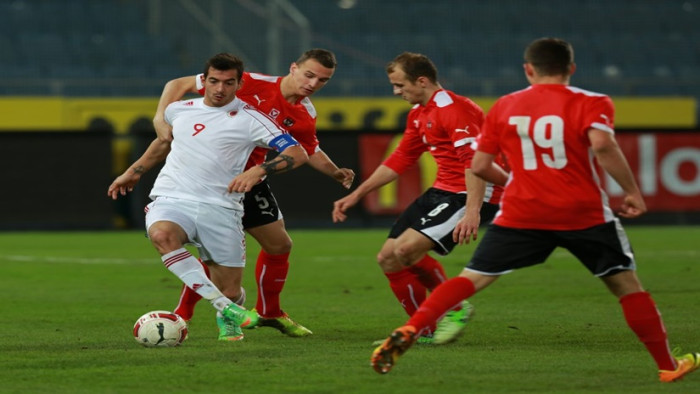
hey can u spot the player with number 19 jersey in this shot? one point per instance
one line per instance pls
(263, 92)
(549, 150)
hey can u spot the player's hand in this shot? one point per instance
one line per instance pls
(244, 182)
(632, 206)
(345, 176)
(467, 229)
(123, 184)
(163, 129)
(340, 206)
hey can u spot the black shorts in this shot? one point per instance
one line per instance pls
(260, 207)
(435, 214)
(604, 249)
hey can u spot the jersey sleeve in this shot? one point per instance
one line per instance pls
(600, 114)
(488, 140)
(409, 149)
(199, 84)
(266, 133)
(308, 139)
(171, 112)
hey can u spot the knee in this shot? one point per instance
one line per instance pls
(404, 254)
(387, 262)
(280, 246)
(164, 241)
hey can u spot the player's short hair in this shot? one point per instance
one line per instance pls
(224, 62)
(415, 65)
(325, 57)
(550, 56)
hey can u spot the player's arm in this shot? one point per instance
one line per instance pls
(288, 159)
(173, 90)
(611, 159)
(323, 164)
(380, 177)
(484, 167)
(468, 226)
(157, 152)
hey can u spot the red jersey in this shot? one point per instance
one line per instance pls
(543, 132)
(445, 127)
(263, 92)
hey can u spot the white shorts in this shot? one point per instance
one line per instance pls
(217, 232)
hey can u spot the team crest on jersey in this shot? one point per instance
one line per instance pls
(189, 103)
(429, 125)
(231, 114)
(274, 113)
(289, 122)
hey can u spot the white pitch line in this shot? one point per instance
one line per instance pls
(79, 260)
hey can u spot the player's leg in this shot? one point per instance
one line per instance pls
(169, 225)
(188, 299)
(272, 266)
(500, 251)
(440, 211)
(445, 297)
(263, 221)
(403, 283)
(606, 252)
(430, 272)
(229, 279)
(644, 319)
(221, 244)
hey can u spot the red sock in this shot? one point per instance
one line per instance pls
(407, 289)
(644, 319)
(429, 272)
(189, 298)
(443, 299)
(270, 275)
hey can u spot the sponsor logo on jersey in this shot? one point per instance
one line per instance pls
(274, 113)
(464, 130)
(258, 99)
(429, 125)
(188, 104)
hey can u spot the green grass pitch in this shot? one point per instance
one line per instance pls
(69, 301)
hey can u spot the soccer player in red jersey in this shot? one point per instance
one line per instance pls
(443, 124)
(286, 100)
(555, 137)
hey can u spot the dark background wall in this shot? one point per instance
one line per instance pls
(59, 180)
(55, 180)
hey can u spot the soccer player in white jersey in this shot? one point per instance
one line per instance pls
(198, 194)
(286, 100)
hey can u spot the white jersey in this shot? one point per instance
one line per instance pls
(210, 147)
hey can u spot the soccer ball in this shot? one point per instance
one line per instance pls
(160, 329)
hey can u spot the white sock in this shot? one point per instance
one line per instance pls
(181, 263)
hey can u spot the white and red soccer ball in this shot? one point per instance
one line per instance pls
(160, 329)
